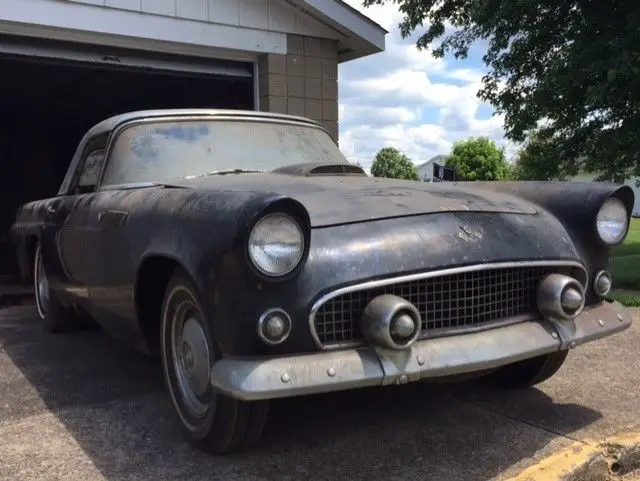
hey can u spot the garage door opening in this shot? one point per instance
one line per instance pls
(48, 104)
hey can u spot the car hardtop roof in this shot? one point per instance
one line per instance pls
(110, 123)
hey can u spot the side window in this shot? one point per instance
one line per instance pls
(84, 171)
(91, 168)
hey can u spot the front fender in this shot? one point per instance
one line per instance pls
(575, 204)
(205, 233)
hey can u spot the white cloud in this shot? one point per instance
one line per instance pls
(378, 115)
(408, 99)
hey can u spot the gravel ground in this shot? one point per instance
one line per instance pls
(83, 407)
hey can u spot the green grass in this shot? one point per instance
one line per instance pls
(631, 246)
(625, 268)
(625, 260)
(625, 298)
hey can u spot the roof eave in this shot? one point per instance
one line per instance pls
(362, 36)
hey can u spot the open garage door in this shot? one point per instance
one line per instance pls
(53, 92)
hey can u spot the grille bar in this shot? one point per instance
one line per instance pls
(449, 301)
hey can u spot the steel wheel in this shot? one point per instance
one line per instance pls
(191, 359)
(215, 422)
(41, 285)
(56, 317)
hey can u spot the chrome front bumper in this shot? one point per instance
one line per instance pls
(277, 377)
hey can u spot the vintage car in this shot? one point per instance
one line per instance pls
(245, 250)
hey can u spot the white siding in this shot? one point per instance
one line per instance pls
(192, 9)
(135, 5)
(270, 15)
(636, 190)
(159, 7)
(425, 171)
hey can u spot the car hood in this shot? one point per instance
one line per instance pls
(333, 200)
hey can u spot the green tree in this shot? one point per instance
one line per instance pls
(569, 68)
(478, 158)
(390, 162)
(538, 160)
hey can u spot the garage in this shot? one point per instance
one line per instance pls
(56, 98)
(69, 64)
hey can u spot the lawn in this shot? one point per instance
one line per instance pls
(625, 259)
(625, 267)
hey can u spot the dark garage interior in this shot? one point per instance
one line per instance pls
(47, 105)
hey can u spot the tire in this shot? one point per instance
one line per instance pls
(215, 423)
(55, 317)
(527, 373)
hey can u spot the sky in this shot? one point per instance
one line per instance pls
(407, 99)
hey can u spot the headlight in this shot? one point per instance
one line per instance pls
(276, 244)
(611, 221)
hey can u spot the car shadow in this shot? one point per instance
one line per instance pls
(111, 401)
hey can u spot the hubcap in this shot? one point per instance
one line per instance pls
(191, 361)
(42, 287)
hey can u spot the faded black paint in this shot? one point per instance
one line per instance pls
(577, 205)
(386, 228)
(333, 200)
(358, 228)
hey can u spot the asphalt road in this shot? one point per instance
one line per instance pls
(83, 407)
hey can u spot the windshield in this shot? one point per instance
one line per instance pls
(163, 150)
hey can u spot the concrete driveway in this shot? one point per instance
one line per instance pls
(83, 407)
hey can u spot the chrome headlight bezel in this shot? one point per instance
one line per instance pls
(612, 207)
(254, 245)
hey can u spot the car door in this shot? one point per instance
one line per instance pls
(110, 267)
(72, 237)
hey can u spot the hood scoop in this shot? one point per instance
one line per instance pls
(317, 169)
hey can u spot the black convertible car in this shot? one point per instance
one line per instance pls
(246, 250)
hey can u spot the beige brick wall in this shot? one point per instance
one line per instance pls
(302, 82)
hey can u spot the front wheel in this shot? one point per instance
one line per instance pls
(216, 423)
(529, 372)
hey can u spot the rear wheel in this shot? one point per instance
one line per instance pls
(529, 372)
(216, 423)
(56, 317)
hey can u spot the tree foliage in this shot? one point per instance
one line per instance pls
(537, 160)
(568, 69)
(390, 162)
(478, 158)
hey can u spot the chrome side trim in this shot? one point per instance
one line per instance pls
(132, 185)
(275, 377)
(426, 275)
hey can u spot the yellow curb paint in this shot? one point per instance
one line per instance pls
(559, 465)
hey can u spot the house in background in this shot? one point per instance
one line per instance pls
(425, 170)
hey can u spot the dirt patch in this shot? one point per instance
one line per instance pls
(616, 458)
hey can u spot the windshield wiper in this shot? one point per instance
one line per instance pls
(224, 172)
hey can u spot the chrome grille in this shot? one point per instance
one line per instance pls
(462, 300)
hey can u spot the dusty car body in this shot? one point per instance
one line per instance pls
(247, 251)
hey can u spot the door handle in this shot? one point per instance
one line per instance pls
(50, 210)
(114, 217)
